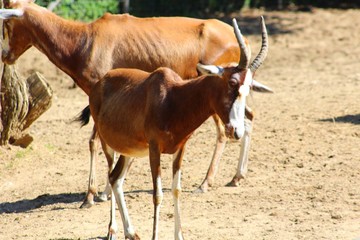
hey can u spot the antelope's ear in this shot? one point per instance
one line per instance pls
(7, 3)
(209, 69)
(259, 87)
(10, 13)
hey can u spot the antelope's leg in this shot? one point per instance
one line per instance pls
(106, 194)
(113, 228)
(154, 155)
(116, 179)
(219, 148)
(92, 188)
(176, 190)
(242, 167)
(244, 155)
(110, 156)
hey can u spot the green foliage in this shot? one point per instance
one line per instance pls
(206, 8)
(84, 10)
(183, 7)
(87, 10)
(300, 3)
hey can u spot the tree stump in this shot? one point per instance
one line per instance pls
(22, 102)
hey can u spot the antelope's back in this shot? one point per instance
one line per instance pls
(175, 42)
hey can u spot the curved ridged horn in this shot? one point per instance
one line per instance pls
(264, 48)
(244, 53)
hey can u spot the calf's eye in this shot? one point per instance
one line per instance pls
(233, 82)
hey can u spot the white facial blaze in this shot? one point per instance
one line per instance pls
(237, 117)
(237, 113)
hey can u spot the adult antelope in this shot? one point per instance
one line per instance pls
(87, 51)
(138, 113)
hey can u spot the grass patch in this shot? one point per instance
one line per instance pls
(20, 154)
(50, 147)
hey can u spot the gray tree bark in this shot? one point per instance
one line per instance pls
(22, 102)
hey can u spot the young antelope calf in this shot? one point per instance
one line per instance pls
(138, 113)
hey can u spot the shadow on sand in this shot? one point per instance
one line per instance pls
(42, 200)
(353, 119)
(26, 205)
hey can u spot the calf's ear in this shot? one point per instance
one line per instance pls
(209, 69)
(259, 87)
(10, 13)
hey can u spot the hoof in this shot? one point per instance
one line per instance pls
(135, 237)
(89, 199)
(203, 188)
(235, 182)
(103, 197)
(87, 204)
(200, 190)
(111, 236)
(232, 184)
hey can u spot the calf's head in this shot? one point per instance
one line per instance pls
(239, 80)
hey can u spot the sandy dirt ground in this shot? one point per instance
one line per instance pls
(304, 169)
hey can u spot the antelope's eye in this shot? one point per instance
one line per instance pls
(233, 82)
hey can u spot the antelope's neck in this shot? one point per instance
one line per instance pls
(197, 98)
(64, 42)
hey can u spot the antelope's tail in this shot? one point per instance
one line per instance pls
(83, 117)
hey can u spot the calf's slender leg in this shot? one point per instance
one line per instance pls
(113, 227)
(110, 156)
(154, 156)
(92, 188)
(176, 191)
(116, 179)
(106, 194)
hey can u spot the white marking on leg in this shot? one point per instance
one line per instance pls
(120, 199)
(158, 200)
(104, 196)
(159, 192)
(176, 190)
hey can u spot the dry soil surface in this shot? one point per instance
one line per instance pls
(304, 170)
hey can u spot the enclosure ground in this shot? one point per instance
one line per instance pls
(303, 180)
